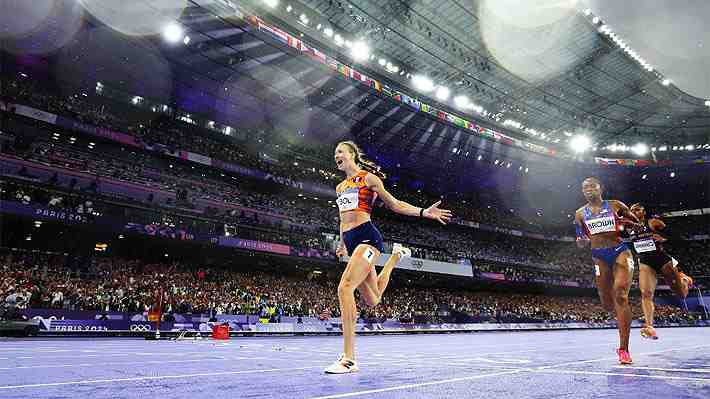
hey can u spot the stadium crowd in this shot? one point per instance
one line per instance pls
(296, 162)
(37, 280)
(518, 258)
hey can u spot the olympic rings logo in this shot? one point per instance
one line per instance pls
(140, 327)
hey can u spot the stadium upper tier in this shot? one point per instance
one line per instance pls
(493, 183)
(52, 170)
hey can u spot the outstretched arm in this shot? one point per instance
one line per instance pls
(624, 211)
(659, 227)
(627, 218)
(656, 224)
(375, 184)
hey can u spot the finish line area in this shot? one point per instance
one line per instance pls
(499, 364)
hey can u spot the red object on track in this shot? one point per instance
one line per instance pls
(220, 331)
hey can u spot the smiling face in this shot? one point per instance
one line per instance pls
(591, 189)
(344, 156)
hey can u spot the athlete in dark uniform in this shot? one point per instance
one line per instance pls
(648, 245)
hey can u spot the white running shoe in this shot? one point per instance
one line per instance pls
(400, 249)
(343, 366)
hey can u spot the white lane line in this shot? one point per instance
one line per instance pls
(112, 354)
(691, 370)
(539, 349)
(500, 361)
(393, 348)
(659, 377)
(99, 381)
(319, 351)
(134, 363)
(423, 384)
(138, 349)
(28, 349)
(448, 359)
(522, 370)
(614, 357)
(151, 378)
(218, 352)
(200, 354)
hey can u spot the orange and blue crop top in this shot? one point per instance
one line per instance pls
(354, 195)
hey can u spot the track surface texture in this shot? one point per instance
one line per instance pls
(575, 364)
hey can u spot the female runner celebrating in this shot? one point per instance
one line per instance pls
(598, 222)
(653, 259)
(363, 242)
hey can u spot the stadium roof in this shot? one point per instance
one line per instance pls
(550, 68)
(543, 75)
(558, 72)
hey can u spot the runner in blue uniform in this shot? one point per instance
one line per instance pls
(598, 223)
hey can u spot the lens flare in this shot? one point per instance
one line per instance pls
(136, 17)
(524, 36)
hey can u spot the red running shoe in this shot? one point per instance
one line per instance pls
(624, 356)
(649, 332)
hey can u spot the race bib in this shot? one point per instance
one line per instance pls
(600, 225)
(646, 245)
(348, 200)
(369, 254)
